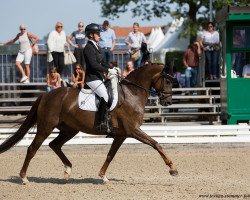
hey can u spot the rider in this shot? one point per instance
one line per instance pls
(95, 69)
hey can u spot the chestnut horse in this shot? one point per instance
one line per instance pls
(59, 109)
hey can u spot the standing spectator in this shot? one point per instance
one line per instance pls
(134, 41)
(178, 80)
(107, 41)
(78, 77)
(56, 43)
(129, 68)
(80, 43)
(191, 62)
(26, 41)
(210, 41)
(53, 80)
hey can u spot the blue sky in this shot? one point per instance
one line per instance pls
(40, 16)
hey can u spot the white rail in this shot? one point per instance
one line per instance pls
(163, 134)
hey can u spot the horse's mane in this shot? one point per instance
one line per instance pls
(134, 74)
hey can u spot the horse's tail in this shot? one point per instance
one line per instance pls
(23, 129)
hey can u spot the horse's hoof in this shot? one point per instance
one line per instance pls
(105, 180)
(66, 176)
(25, 181)
(173, 172)
(67, 172)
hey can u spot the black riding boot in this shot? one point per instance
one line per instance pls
(104, 123)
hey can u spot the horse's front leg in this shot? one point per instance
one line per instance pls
(113, 149)
(144, 138)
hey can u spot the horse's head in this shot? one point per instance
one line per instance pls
(162, 83)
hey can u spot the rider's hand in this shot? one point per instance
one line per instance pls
(113, 71)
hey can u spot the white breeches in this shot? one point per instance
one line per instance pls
(99, 88)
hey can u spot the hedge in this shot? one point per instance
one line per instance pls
(177, 57)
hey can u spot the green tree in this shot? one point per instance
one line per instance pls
(194, 11)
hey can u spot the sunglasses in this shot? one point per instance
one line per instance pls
(59, 26)
(80, 26)
(23, 29)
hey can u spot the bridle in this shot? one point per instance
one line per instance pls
(161, 93)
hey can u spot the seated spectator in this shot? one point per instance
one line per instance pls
(53, 80)
(129, 68)
(246, 71)
(239, 61)
(78, 77)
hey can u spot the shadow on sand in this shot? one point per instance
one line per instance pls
(17, 180)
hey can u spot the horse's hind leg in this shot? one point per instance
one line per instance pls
(32, 149)
(113, 149)
(56, 146)
(144, 138)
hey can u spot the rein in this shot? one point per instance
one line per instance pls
(132, 83)
(164, 75)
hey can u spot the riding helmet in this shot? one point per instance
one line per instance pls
(92, 28)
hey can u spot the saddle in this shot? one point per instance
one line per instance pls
(89, 101)
(108, 85)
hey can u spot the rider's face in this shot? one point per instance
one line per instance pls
(96, 37)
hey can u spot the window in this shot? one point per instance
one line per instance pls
(241, 37)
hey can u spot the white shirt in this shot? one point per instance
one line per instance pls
(246, 70)
(56, 41)
(211, 37)
(24, 42)
(135, 39)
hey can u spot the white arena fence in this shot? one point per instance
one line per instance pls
(163, 134)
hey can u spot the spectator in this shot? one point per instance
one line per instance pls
(56, 43)
(26, 41)
(129, 68)
(78, 77)
(239, 61)
(80, 43)
(53, 80)
(134, 42)
(178, 80)
(146, 55)
(246, 71)
(210, 41)
(191, 62)
(107, 41)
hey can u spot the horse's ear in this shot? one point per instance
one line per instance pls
(167, 69)
(171, 71)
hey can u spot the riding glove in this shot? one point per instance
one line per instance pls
(113, 71)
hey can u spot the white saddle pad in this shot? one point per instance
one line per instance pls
(86, 98)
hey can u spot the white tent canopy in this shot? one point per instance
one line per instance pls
(171, 41)
(171, 36)
(158, 38)
(151, 36)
